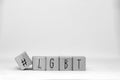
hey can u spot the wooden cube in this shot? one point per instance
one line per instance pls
(65, 63)
(39, 63)
(52, 63)
(23, 61)
(79, 63)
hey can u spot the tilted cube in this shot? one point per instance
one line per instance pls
(23, 61)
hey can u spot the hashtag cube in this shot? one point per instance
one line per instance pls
(23, 60)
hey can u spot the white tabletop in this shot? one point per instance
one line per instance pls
(97, 68)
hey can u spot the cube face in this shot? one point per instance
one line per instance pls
(79, 63)
(23, 60)
(52, 63)
(39, 63)
(65, 63)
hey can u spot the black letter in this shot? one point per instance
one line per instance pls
(52, 63)
(39, 63)
(65, 63)
(79, 63)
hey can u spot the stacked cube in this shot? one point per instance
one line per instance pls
(52, 63)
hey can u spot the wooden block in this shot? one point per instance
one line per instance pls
(65, 63)
(39, 63)
(79, 63)
(23, 61)
(52, 63)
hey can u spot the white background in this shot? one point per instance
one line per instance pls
(61, 28)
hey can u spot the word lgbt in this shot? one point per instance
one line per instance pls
(52, 63)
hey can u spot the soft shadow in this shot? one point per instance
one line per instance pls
(28, 69)
(17, 68)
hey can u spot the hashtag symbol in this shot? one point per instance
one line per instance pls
(24, 62)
